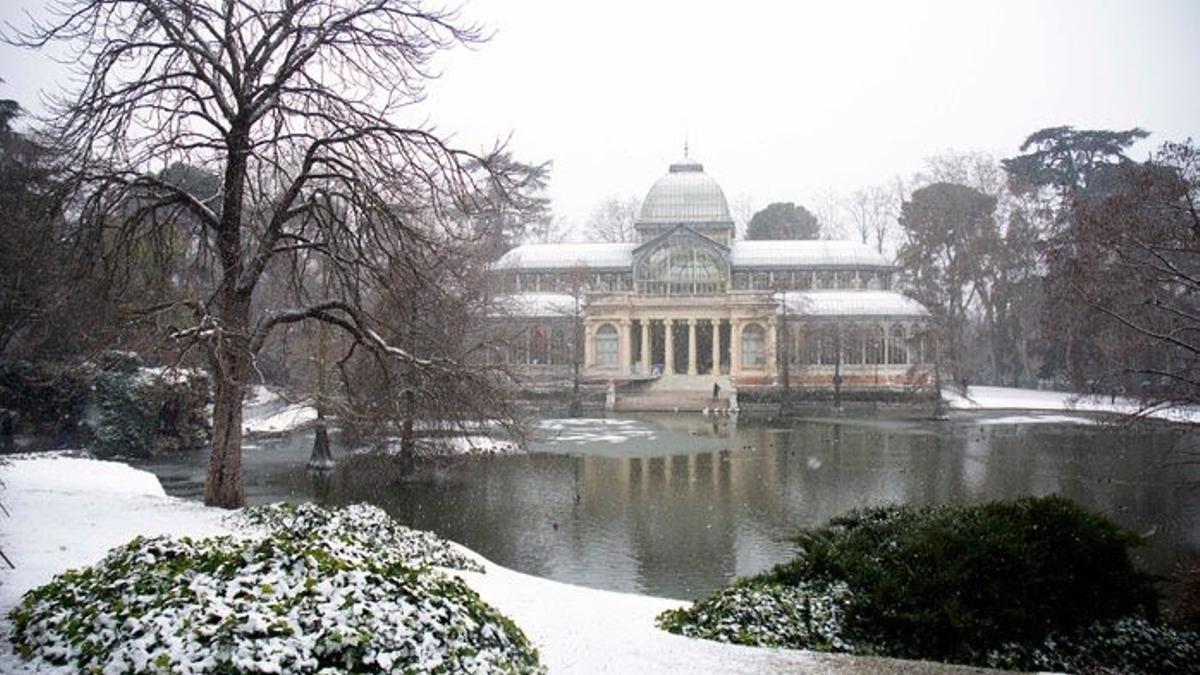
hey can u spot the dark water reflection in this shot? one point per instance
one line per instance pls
(684, 506)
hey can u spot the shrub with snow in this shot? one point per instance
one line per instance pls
(360, 531)
(807, 616)
(286, 602)
(1131, 645)
(1037, 583)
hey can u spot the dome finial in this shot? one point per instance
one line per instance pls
(685, 144)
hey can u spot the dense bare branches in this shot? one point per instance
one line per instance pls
(295, 107)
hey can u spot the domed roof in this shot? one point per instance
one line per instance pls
(685, 195)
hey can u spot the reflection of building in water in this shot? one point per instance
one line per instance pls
(688, 300)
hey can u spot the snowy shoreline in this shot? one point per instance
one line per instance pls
(1008, 398)
(66, 512)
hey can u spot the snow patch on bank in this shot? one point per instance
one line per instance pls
(584, 430)
(1036, 419)
(266, 412)
(1008, 398)
(67, 512)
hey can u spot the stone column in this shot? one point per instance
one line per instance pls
(668, 347)
(646, 360)
(887, 344)
(692, 355)
(716, 346)
(589, 345)
(772, 347)
(625, 348)
(735, 347)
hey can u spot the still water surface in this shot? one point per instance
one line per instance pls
(678, 506)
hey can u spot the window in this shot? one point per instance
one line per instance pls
(681, 266)
(874, 345)
(829, 345)
(539, 345)
(853, 345)
(897, 351)
(825, 280)
(754, 346)
(607, 346)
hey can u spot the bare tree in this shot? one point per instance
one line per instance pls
(829, 208)
(873, 211)
(612, 219)
(296, 106)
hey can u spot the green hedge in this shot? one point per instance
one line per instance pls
(1022, 584)
(946, 582)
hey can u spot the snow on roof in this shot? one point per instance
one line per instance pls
(854, 303)
(808, 253)
(770, 253)
(538, 304)
(566, 256)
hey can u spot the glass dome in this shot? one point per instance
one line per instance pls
(685, 195)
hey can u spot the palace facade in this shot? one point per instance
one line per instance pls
(689, 302)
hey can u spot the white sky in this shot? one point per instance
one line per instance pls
(783, 101)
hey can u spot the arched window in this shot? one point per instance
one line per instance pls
(682, 266)
(897, 346)
(829, 346)
(539, 345)
(607, 346)
(559, 354)
(853, 337)
(754, 346)
(875, 337)
(927, 345)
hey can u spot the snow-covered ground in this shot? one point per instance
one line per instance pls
(1007, 398)
(265, 412)
(67, 512)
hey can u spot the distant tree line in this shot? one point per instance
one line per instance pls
(1069, 264)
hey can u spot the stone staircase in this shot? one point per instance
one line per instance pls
(676, 393)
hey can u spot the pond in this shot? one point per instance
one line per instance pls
(678, 505)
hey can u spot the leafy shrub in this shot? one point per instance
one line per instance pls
(802, 616)
(948, 582)
(280, 603)
(45, 398)
(139, 411)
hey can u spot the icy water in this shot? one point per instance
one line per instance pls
(678, 506)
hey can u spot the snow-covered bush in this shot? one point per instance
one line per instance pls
(805, 616)
(280, 603)
(360, 532)
(1132, 646)
(1037, 583)
(137, 411)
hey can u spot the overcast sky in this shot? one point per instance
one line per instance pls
(784, 101)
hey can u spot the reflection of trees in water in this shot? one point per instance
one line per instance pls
(683, 524)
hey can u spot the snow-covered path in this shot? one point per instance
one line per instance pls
(1008, 398)
(67, 512)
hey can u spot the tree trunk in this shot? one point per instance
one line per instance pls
(230, 356)
(321, 458)
(223, 486)
(408, 449)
